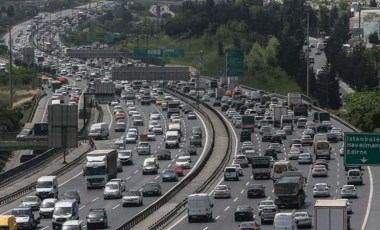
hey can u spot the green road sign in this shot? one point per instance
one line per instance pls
(91, 38)
(235, 62)
(143, 52)
(108, 39)
(361, 149)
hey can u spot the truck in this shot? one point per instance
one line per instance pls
(173, 107)
(289, 190)
(321, 116)
(331, 214)
(261, 167)
(300, 110)
(278, 112)
(101, 166)
(294, 100)
(143, 137)
(55, 85)
(35, 131)
(287, 120)
(213, 84)
(8, 222)
(219, 93)
(248, 122)
(255, 96)
(175, 127)
(25, 218)
(322, 149)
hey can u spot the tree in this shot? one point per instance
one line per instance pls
(271, 51)
(220, 48)
(372, 3)
(374, 38)
(255, 59)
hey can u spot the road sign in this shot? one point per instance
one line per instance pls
(90, 38)
(108, 39)
(143, 52)
(235, 62)
(361, 149)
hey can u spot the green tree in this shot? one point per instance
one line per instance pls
(372, 3)
(255, 60)
(271, 52)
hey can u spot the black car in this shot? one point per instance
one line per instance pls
(271, 153)
(191, 149)
(196, 140)
(276, 139)
(255, 190)
(224, 108)
(151, 189)
(169, 175)
(217, 103)
(332, 138)
(71, 195)
(245, 135)
(164, 154)
(97, 218)
(266, 137)
(244, 213)
(186, 109)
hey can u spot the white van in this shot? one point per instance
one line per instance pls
(47, 187)
(172, 139)
(284, 221)
(199, 207)
(231, 173)
(279, 167)
(65, 210)
(354, 176)
(99, 131)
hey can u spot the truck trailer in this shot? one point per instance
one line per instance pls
(278, 112)
(289, 190)
(331, 215)
(101, 166)
(248, 122)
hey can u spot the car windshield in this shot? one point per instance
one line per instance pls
(70, 194)
(44, 184)
(95, 214)
(20, 212)
(47, 204)
(125, 153)
(69, 227)
(266, 203)
(30, 199)
(169, 171)
(300, 215)
(59, 211)
(111, 186)
(152, 185)
(221, 188)
(133, 193)
(354, 173)
(182, 160)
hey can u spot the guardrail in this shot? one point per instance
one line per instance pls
(173, 191)
(35, 101)
(215, 176)
(20, 170)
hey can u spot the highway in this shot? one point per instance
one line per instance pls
(223, 210)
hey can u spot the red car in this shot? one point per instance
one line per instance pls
(179, 170)
(120, 116)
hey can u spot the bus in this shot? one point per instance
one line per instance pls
(280, 167)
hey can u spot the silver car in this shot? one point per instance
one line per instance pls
(303, 219)
(222, 191)
(47, 207)
(349, 191)
(112, 190)
(32, 201)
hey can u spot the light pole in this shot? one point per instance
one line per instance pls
(327, 94)
(307, 51)
(10, 12)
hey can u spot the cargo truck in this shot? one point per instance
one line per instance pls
(321, 116)
(331, 215)
(8, 222)
(289, 190)
(175, 127)
(278, 112)
(322, 149)
(248, 122)
(219, 93)
(294, 100)
(101, 166)
(35, 131)
(173, 107)
(300, 111)
(261, 167)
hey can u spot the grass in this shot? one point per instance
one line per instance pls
(214, 65)
(4, 156)
(20, 94)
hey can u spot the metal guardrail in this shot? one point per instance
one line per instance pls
(35, 101)
(20, 170)
(177, 188)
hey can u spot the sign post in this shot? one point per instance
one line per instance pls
(234, 63)
(361, 149)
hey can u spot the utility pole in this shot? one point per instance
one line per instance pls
(307, 53)
(10, 13)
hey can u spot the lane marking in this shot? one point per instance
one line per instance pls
(226, 208)
(82, 207)
(242, 191)
(157, 177)
(135, 171)
(70, 179)
(217, 217)
(116, 206)
(369, 199)
(236, 199)
(95, 199)
(129, 177)
(44, 227)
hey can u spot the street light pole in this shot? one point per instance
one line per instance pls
(307, 53)
(10, 15)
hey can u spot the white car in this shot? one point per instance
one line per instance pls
(303, 219)
(266, 203)
(239, 168)
(47, 207)
(319, 171)
(114, 103)
(122, 182)
(183, 162)
(321, 189)
(349, 191)
(275, 146)
(294, 153)
(131, 137)
(305, 158)
(151, 136)
(112, 190)
(32, 201)
(341, 150)
(242, 160)
(222, 191)
(133, 197)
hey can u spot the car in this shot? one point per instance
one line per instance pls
(266, 203)
(242, 160)
(157, 129)
(327, 124)
(265, 129)
(191, 116)
(97, 218)
(308, 131)
(294, 153)
(268, 214)
(244, 213)
(217, 103)
(121, 181)
(288, 129)
(33, 202)
(255, 190)
(238, 167)
(131, 137)
(319, 171)
(298, 146)
(306, 140)
(321, 189)
(303, 219)
(341, 150)
(112, 190)
(349, 191)
(249, 225)
(275, 146)
(183, 162)
(301, 123)
(71, 194)
(143, 148)
(169, 175)
(266, 137)
(224, 108)
(305, 158)
(119, 116)
(133, 197)
(125, 157)
(164, 154)
(281, 133)
(179, 170)
(322, 162)
(271, 153)
(191, 149)
(222, 191)
(196, 140)
(339, 135)
(151, 189)
(332, 137)
(47, 207)
(151, 136)
(115, 102)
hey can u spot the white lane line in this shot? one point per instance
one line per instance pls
(226, 208)
(95, 199)
(236, 199)
(116, 206)
(70, 179)
(205, 228)
(136, 171)
(217, 217)
(44, 227)
(129, 177)
(242, 191)
(82, 207)
(169, 165)
(111, 116)
(247, 183)
(157, 177)
(369, 199)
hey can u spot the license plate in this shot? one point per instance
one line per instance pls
(354, 178)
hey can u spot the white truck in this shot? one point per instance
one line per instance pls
(172, 139)
(294, 100)
(255, 96)
(278, 112)
(101, 166)
(175, 127)
(331, 215)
